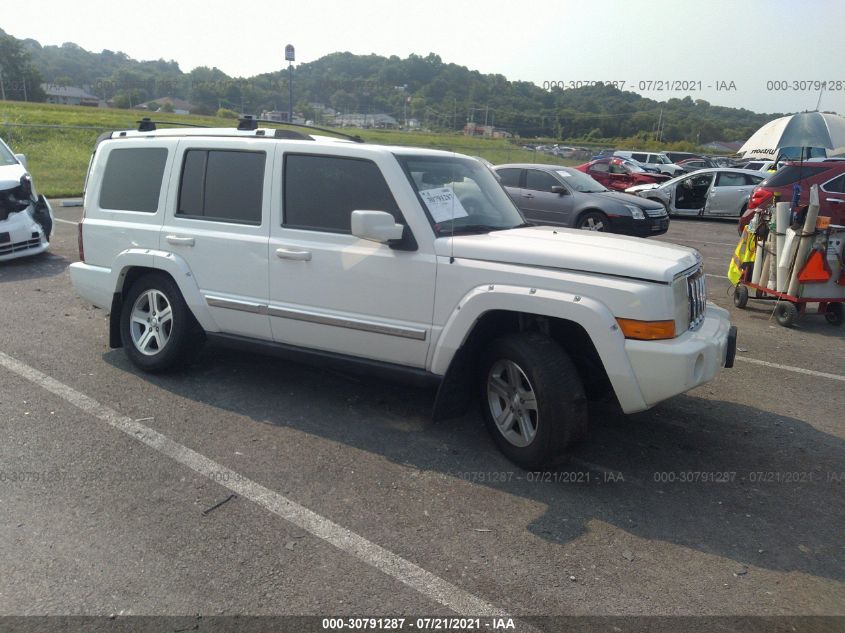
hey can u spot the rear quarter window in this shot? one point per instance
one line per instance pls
(132, 179)
(789, 174)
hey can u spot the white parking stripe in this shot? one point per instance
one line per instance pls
(797, 370)
(343, 539)
(719, 276)
(65, 221)
(702, 242)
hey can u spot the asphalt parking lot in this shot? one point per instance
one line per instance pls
(726, 501)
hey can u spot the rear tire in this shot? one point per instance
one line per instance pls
(834, 313)
(532, 399)
(157, 329)
(786, 313)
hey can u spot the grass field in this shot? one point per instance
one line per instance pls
(58, 140)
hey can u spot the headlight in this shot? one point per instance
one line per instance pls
(636, 212)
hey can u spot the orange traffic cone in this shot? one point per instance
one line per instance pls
(815, 270)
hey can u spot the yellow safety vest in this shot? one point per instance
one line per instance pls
(745, 252)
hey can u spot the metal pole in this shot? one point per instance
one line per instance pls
(2, 87)
(290, 92)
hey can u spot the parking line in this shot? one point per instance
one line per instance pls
(797, 370)
(704, 243)
(424, 582)
(65, 221)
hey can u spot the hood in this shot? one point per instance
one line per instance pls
(10, 176)
(573, 249)
(635, 188)
(624, 198)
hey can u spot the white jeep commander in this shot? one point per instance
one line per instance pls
(408, 262)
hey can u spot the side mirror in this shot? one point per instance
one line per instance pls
(377, 226)
(22, 160)
(559, 189)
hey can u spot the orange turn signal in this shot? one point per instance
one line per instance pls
(647, 330)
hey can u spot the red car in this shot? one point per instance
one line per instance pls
(828, 174)
(618, 174)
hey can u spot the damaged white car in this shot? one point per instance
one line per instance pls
(26, 219)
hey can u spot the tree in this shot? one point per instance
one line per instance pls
(19, 80)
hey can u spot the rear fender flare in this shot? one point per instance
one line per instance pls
(176, 267)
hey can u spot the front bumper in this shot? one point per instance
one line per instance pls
(21, 235)
(657, 225)
(667, 368)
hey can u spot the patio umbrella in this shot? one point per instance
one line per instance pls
(803, 130)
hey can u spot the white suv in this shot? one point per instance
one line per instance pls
(407, 262)
(653, 160)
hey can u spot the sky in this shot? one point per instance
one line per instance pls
(764, 55)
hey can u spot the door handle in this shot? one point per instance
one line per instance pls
(835, 201)
(289, 253)
(528, 195)
(180, 240)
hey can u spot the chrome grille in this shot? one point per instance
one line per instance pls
(697, 294)
(656, 213)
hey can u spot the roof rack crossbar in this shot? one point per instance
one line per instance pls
(251, 123)
(148, 125)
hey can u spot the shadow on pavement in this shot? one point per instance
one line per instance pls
(715, 476)
(45, 264)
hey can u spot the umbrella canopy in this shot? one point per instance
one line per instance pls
(806, 129)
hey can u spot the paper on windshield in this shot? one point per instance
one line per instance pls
(565, 174)
(443, 204)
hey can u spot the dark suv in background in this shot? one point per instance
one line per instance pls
(828, 174)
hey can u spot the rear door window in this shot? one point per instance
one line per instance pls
(730, 179)
(509, 177)
(132, 179)
(222, 185)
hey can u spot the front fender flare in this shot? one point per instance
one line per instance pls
(590, 314)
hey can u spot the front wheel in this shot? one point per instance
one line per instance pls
(157, 329)
(533, 401)
(593, 221)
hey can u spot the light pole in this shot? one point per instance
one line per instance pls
(290, 56)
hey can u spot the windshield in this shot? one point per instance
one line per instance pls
(663, 160)
(579, 181)
(460, 195)
(6, 156)
(632, 166)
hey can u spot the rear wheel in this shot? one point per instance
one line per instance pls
(786, 313)
(593, 221)
(533, 401)
(157, 329)
(834, 313)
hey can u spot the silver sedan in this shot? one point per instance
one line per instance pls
(718, 191)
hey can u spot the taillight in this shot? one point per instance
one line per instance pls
(79, 242)
(760, 197)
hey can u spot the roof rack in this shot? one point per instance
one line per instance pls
(248, 122)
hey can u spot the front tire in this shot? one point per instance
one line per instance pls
(533, 401)
(157, 329)
(593, 221)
